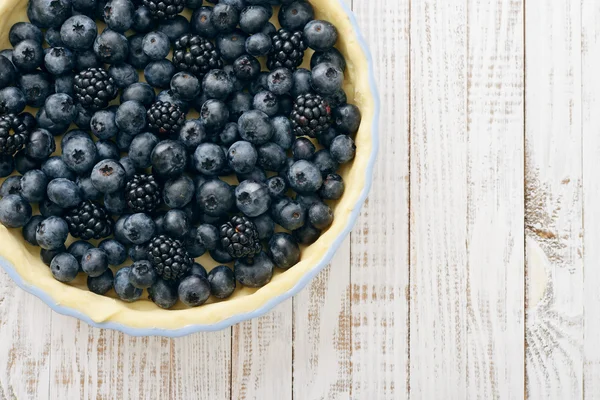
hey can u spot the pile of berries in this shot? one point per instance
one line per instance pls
(107, 159)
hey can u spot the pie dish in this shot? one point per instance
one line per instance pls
(143, 318)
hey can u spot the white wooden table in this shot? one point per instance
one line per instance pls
(469, 275)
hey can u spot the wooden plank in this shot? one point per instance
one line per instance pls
(590, 83)
(495, 243)
(380, 262)
(201, 366)
(262, 356)
(91, 363)
(553, 200)
(438, 197)
(24, 343)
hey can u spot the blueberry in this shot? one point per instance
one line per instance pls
(80, 154)
(192, 212)
(265, 226)
(60, 108)
(282, 132)
(139, 91)
(271, 157)
(260, 83)
(55, 167)
(86, 59)
(199, 270)
(118, 15)
(303, 149)
(52, 233)
(320, 35)
(230, 134)
(277, 186)
(24, 31)
(214, 115)
(178, 192)
(304, 177)
(174, 28)
(78, 33)
(252, 198)
(44, 122)
(194, 290)
(103, 124)
(64, 267)
(159, 73)
(167, 96)
(30, 229)
(108, 176)
(36, 86)
(217, 84)
(124, 140)
(140, 150)
(242, 157)
(255, 127)
(128, 166)
(115, 251)
(111, 47)
(12, 100)
(143, 21)
(33, 186)
(239, 103)
(201, 23)
(64, 193)
(48, 255)
(256, 174)
(101, 284)
(139, 228)
(209, 159)
(79, 248)
(301, 82)
(220, 255)
(192, 133)
(325, 138)
(346, 119)
(194, 243)
(254, 18)
(332, 56)
(159, 221)
(284, 250)
(8, 72)
(7, 165)
(176, 223)
(23, 163)
(123, 74)
(86, 7)
(306, 234)
(136, 56)
(185, 86)
(337, 98)
(327, 78)
(256, 272)
(224, 17)
(156, 46)
(52, 37)
(266, 102)
(342, 149)
(259, 45)
(64, 84)
(59, 60)
(208, 236)
(138, 252)
(131, 117)
(169, 158)
(291, 215)
(280, 81)
(215, 198)
(325, 162)
(48, 13)
(295, 15)
(333, 187)
(125, 290)
(163, 294)
(320, 215)
(231, 45)
(12, 185)
(142, 275)
(120, 230)
(82, 117)
(50, 209)
(246, 68)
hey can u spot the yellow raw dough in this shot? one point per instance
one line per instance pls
(143, 313)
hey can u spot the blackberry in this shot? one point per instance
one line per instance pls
(94, 88)
(169, 258)
(311, 115)
(165, 117)
(288, 50)
(165, 9)
(195, 54)
(143, 193)
(240, 238)
(14, 132)
(89, 220)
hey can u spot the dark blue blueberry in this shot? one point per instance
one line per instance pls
(201, 23)
(238, 4)
(120, 228)
(118, 15)
(139, 228)
(280, 81)
(197, 269)
(246, 68)
(159, 221)
(52, 37)
(256, 174)
(277, 186)
(33, 186)
(159, 73)
(125, 290)
(325, 162)
(214, 115)
(123, 74)
(303, 149)
(284, 250)
(327, 78)
(50, 209)
(266, 102)
(217, 84)
(174, 28)
(224, 18)
(255, 127)
(115, 202)
(222, 281)
(131, 117)
(231, 45)
(332, 55)
(337, 99)
(30, 229)
(79, 248)
(265, 226)
(64, 193)
(24, 31)
(12, 185)
(156, 45)
(242, 157)
(79, 32)
(176, 224)
(94, 262)
(346, 119)
(111, 47)
(208, 236)
(209, 159)
(136, 56)
(59, 60)
(86, 7)
(86, 59)
(55, 167)
(260, 83)
(192, 133)
(142, 275)
(83, 117)
(333, 187)
(139, 91)
(129, 167)
(115, 251)
(194, 243)
(286, 104)
(256, 272)
(101, 284)
(320, 215)
(254, 18)
(193, 4)
(163, 294)
(185, 86)
(220, 255)
(107, 149)
(8, 72)
(239, 103)
(305, 177)
(64, 267)
(12, 100)
(103, 124)
(291, 216)
(44, 122)
(342, 149)
(194, 290)
(282, 132)
(7, 165)
(60, 108)
(52, 233)
(64, 84)
(169, 158)
(301, 82)
(259, 45)
(80, 154)
(230, 134)
(327, 137)
(140, 150)
(48, 13)
(108, 176)
(295, 15)
(143, 21)
(124, 140)
(24, 163)
(320, 35)
(178, 192)
(192, 212)
(36, 86)
(215, 198)
(48, 255)
(271, 157)
(138, 252)
(306, 234)
(252, 198)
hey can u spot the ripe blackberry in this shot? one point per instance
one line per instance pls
(14, 132)
(169, 258)
(143, 193)
(288, 50)
(195, 54)
(94, 88)
(240, 238)
(89, 220)
(164, 9)
(165, 117)
(311, 115)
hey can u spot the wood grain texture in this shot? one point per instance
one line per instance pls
(553, 200)
(495, 242)
(379, 263)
